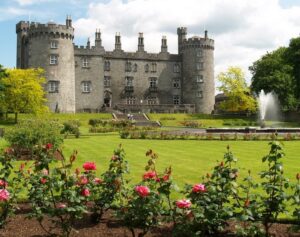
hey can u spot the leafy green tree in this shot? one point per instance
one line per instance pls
(236, 90)
(292, 56)
(24, 91)
(273, 73)
(2, 75)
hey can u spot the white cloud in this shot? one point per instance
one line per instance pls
(11, 12)
(242, 30)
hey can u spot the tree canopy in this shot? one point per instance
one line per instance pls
(23, 91)
(279, 71)
(234, 86)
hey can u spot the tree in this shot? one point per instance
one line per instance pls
(2, 75)
(24, 91)
(273, 73)
(239, 98)
(292, 56)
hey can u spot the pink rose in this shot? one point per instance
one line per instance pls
(197, 188)
(143, 191)
(184, 203)
(98, 180)
(3, 183)
(61, 205)
(149, 175)
(43, 180)
(4, 195)
(85, 192)
(83, 180)
(89, 166)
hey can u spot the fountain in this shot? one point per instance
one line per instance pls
(268, 107)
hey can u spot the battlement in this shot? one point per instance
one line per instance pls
(36, 29)
(198, 42)
(22, 26)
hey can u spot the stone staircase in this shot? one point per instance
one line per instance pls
(140, 119)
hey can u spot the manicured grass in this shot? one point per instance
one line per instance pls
(190, 160)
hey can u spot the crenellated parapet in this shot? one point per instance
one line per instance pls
(50, 30)
(198, 42)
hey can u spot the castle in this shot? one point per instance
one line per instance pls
(90, 79)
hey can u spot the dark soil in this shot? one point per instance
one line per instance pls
(20, 226)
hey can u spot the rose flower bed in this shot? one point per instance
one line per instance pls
(73, 201)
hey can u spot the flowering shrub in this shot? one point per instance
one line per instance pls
(8, 186)
(111, 189)
(150, 199)
(58, 193)
(211, 207)
(29, 134)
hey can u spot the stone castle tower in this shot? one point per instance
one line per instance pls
(90, 79)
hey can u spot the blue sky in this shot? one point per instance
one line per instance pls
(243, 29)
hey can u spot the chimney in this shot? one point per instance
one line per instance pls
(88, 44)
(164, 46)
(98, 41)
(68, 21)
(141, 42)
(205, 34)
(118, 45)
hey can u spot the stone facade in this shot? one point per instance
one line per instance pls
(90, 79)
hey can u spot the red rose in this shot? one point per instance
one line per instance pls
(166, 177)
(197, 188)
(184, 203)
(143, 191)
(85, 192)
(48, 146)
(43, 180)
(89, 166)
(3, 183)
(149, 175)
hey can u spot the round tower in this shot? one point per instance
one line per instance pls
(198, 85)
(51, 48)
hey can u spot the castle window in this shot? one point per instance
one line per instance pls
(176, 99)
(135, 67)
(106, 81)
(146, 68)
(130, 100)
(151, 100)
(199, 94)
(199, 66)
(53, 59)
(176, 83)
(128, 81)
(153, 67)
(199, 53)
(85, 62)
(107, 66)
(53, 45)
(152, 82)
(199, 78)
(86, 86)
(176, 68)
(53, 86)
(127, 66)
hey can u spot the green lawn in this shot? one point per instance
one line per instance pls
(189, 159)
